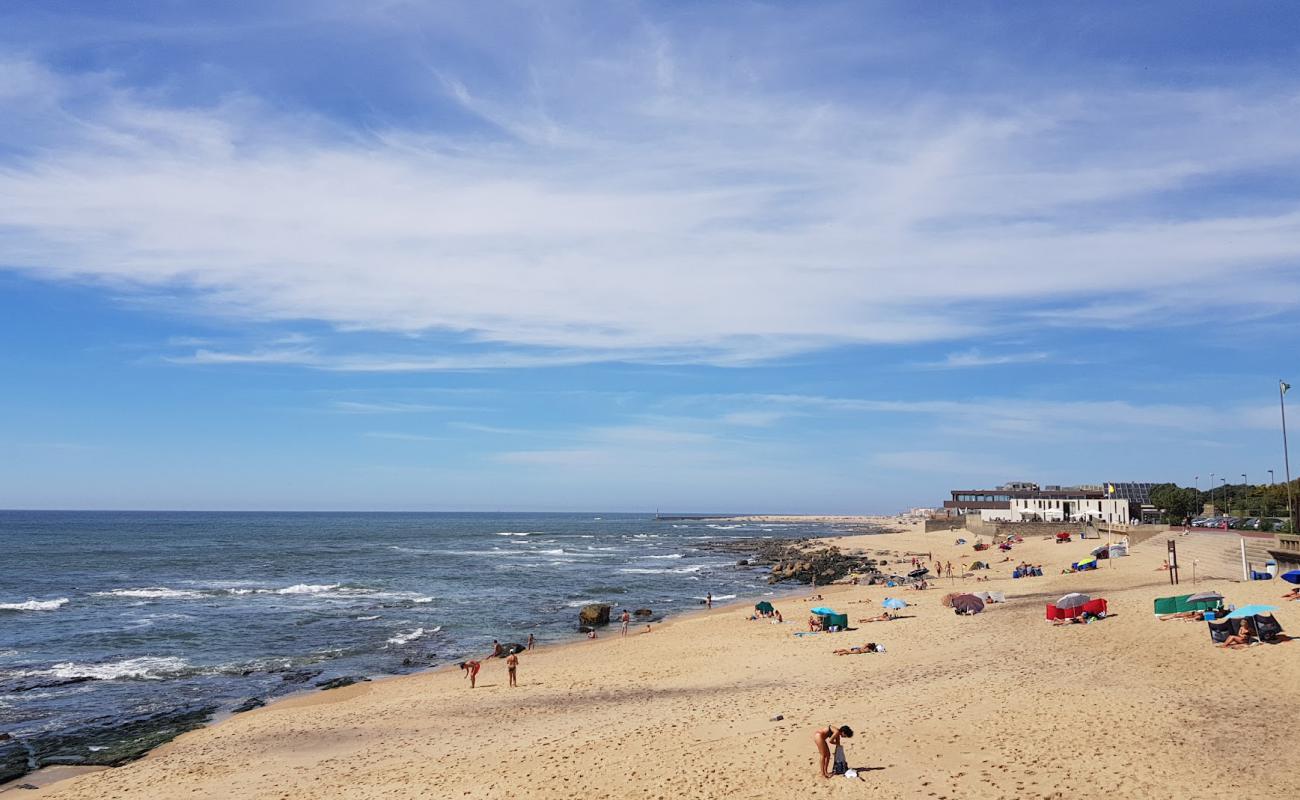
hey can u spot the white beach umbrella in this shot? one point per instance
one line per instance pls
(1072, 600)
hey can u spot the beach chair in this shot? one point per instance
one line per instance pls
(1266, 627)
(1221, 629)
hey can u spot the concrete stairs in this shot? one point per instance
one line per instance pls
(1217, 554)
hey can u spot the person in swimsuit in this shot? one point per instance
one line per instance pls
(531, 641)
(826, 738)
(471, 671)
(625, 618)
(1240, 639)
(512, 661)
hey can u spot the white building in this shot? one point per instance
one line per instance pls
(1028, 509)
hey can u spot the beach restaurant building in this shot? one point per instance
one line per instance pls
(1023, 501)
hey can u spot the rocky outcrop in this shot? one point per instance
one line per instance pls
(797, 560)
(248, 705)
(594, 614)
(642, 612)
(340, 682)
(101, 742)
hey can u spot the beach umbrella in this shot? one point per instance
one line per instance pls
(1250, 611)
(894, 603)
(1088, 560)
(823, 610)
(916, 573)
(1200, 596)
(967, 604)
(1291, 577)
(1072, 600)
(947, 599)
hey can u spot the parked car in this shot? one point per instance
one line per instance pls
(1251, 524)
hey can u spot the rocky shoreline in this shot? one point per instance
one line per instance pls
(801, 560)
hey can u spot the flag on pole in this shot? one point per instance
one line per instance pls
(1285, 386)
(1110, 488)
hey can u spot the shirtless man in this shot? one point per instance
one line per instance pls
(512, 661)
(471, 671)
(826, 738)
(625, 618)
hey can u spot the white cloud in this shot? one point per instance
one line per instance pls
(975, 358)
(662, 208)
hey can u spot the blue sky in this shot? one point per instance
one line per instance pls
(812, 257)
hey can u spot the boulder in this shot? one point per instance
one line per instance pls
(594, 614)
(642, 612)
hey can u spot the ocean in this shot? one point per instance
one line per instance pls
(119, 629)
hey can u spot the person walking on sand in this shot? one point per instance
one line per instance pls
(826, 738)
(949, 569)
(512, 661)
(531, 641)
(471, 671)
(625, 618)
(708, 600)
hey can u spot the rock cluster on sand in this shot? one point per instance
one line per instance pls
(798, 560)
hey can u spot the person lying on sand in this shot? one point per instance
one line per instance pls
(869, 647)
(884, 616)
(471, 671)
(1197, 616)
(827, 738)
(1239, 639)
(1294, 594)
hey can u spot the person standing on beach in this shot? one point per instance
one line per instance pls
(531, 641)
(625, 618)
(949, 569)
(512, 661)
(826, 738)
(708, 600)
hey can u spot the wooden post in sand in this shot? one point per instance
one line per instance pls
(1173, 562)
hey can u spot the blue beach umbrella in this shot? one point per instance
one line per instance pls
(1250, 611)
(823, 610)
(894, 603)
(1291, 577)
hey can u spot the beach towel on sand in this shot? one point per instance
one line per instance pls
(841, 760)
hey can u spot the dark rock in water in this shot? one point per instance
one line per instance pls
(642, 612)
(301, 676)
(513, 647)
(339, 683)
(13, 760)
(744, 562)
(116, 741)
(594, 614)
(28, 686)
(248, 705)
(585, 629)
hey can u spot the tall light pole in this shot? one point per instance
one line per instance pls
(1245, 492)
(1282, 386)
(1226, 511)
(1270, 478)
(1211, 490)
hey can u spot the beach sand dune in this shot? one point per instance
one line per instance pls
(1000, 705)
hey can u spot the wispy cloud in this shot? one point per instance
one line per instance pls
(976, 358)
(656, 201)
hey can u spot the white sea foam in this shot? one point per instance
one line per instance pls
(35, 605)
(367, 619)
(145, 667)
(407, 638)
(153, 593)
(516, 533)
(404, 638)
(308, 588)
(421, 599)
(719, 597)
(671, 555)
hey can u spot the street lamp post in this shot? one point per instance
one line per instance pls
(1212, 489)
(1282, 386)
(1245, 491)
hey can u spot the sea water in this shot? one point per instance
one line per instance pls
(109, 620)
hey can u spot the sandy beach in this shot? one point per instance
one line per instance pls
(999, 705)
